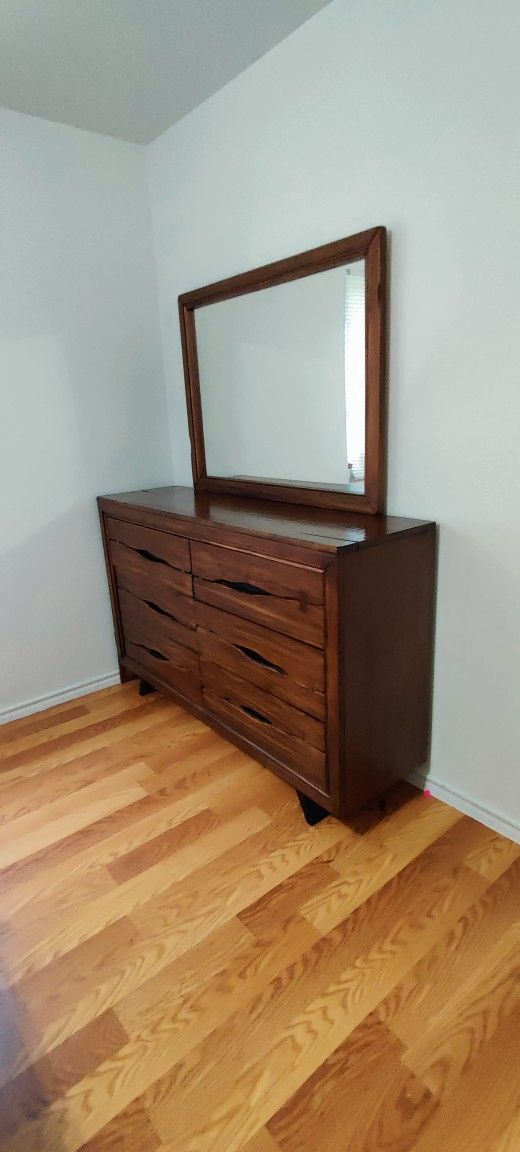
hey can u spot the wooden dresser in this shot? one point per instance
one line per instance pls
(304, 636)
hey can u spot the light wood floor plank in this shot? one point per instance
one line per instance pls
(509, 1139)
(194, 1014)
(143, 734)
(188, 967)
(262, 1142)
(246, 874)
(491, 857)
(193, 762)
(422, 994)
(61, 818)
(486, 1100)
(60, 999)
(159, 816)
(373, 862)
(297, 1025)
(131, 1131)
(31, 950)
(161, 1041)
(32, 1092)
(469, 1019)
(40, 722)
(109, 713)
(362, 1096)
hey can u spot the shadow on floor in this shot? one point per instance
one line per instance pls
(27, 1094)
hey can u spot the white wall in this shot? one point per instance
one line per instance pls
(406, 114)
(82, 404)
(264, 356)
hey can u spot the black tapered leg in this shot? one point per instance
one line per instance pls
(312, 811)
(145, 688)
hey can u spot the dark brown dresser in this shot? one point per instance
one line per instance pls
(302, 635)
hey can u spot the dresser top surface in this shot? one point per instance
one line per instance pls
(326, 530)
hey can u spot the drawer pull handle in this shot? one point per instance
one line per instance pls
(151, 651)
(158, 655)
(163, 612)
(252, 655)
(155, 608)
(150, 556)
(243, 586)
(254, 714)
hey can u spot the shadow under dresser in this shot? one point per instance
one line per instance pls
(304, 636)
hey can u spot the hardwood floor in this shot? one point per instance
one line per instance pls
(188, 967)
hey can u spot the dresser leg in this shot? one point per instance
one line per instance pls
(312, 811)
(145, 688)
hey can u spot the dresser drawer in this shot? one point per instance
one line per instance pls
(254, 714)
(179, 670)
(283, 717)
(162, 646)
(157, 628)
(286, 597)
(290, 670)
(157, 633)
(148, 563)
(160, 546)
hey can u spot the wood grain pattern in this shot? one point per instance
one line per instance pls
(287, 719)
(56, 820)
(142, 618)
(362, 1082)
(343, 633)
(286, 597)
(145, 576)
(163, 546)
(293, 671)
(48, 1079)
(195, 969)
(242, 709)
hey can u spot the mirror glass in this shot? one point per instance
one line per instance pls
(282, 381)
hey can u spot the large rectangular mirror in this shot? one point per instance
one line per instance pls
(284, 378)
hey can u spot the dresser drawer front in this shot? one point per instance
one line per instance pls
(283, 717)
(295, 672)
(179, 670)
(162, 646)
(148, 578)
(150, 634)
(237, 709)
(158, 628)
(160, 546)
(285, 597)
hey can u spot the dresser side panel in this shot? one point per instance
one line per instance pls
(386, 627)
(124, 673)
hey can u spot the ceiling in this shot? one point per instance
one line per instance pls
(131, 68)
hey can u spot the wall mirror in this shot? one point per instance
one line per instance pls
(284, 370)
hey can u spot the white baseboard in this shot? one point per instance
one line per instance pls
(61, 697)
(463, 803)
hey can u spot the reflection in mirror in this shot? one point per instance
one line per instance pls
(282, 381)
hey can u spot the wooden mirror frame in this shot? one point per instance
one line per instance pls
(369, 246)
